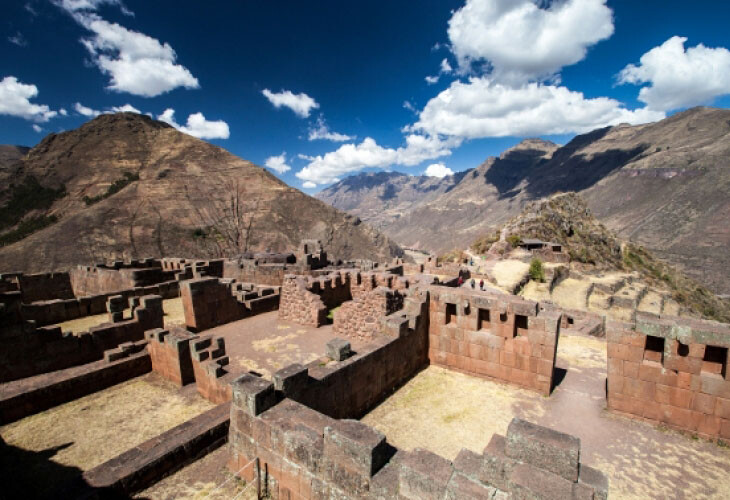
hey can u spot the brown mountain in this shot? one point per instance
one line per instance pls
(125, 185)
(10, 161)
(664, 185)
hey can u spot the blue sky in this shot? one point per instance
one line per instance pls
(499, 71)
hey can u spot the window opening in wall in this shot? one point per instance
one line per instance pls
(450, 313)
(570, 320)
(483, 319)
(654, 349)
(682, 349)
(520, 323)
(503, 317)
(715, 360)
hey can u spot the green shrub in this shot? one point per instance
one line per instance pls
(514, 240)
(29, 195)
(26, 228)
(537, 271)
(116, 186)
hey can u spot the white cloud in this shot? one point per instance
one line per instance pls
(432, 79)
(197, 125)
(277, 163)
(18, 39)
(438, 170)
(37, 128)
(124, 109)
(482, 108)
(15, 101)
(136, 63)
(350, 158)
(63, 112)
(301, 104)
(409, 106)
(309, 185)
(322, 131)
(445, 66)
(522, 41)
(680, 78)
(85, 111)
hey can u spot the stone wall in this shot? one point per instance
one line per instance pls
(210, 367)
(360, 318)
(673, 371)
(304, 454)
(495, 336)
(307, 300)
(45, 286)
(170, 354)
(29, 351)
(29, 396)
(49, 312)
(210, 302)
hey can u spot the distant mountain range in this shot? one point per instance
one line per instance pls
(126, 186)
(664, 185)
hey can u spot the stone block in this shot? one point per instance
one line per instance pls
(424, 475)
(596, 480)
(355, 445)
(461, 487)
(291, 380)
(531, 483)
(253, 394)
(497, 467)
(338, 349)
(545, 448)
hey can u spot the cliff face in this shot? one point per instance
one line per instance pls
(664, 185)
(127, 186)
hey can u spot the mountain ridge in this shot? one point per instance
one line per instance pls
(127, 186)
(663, 185)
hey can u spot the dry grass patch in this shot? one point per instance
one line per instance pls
(445, 411)
(173, 308)
(89, 431)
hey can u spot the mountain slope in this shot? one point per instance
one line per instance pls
(382, 197)
(664, 185)
(136, 187)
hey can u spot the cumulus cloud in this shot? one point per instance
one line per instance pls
(522, 41)
(348, 158)
(301, 104)
(680, 78)
(445, 66)
(309, 185)
(322, 131)
(277, 163)
(135, 63)
(15, 101)
(483, 108)
(197, 125)
(63, 112)
(432, 79)
(37, 128)
(438, 170)
(86, 111)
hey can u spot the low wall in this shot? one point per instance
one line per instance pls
(29, 351)
(495, 336)
(210, 302)
(32, 395)
(50, 312)
(95, 280)
(306, 300)
(151, 461)
(673, 371)
(303, 454)
(45, 286)
(170, 354)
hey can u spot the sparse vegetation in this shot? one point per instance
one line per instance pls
(537, 270)
(454, 256)
(482, 245)
(116, 186)
(26, 228)
(514, 240)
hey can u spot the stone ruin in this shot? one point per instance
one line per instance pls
(296, 433)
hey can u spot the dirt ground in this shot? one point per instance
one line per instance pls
(207, 478)
(264, 344)
(59, 443)
(174, 316)
(445, 411)
(509, 273)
